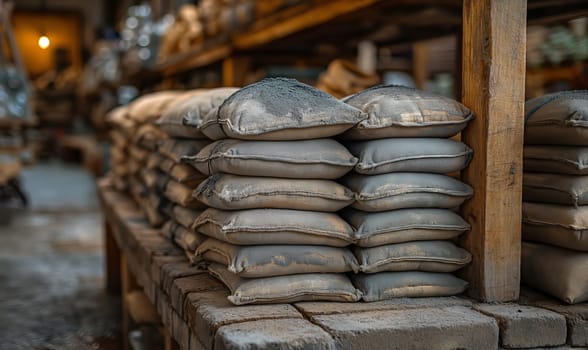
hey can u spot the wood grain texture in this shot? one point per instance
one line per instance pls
(493, 83)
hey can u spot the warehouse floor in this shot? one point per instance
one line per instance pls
(51, 266)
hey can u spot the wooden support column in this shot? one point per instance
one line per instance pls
(235, 71)
(420, 52)
(493, 85)
(112, 260)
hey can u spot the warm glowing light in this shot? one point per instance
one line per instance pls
(44, 42)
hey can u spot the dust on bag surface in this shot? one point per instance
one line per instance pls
(555, 189)
(570, 160)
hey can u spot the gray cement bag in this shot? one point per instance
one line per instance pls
(420, 155)
(233, 192)
(185, 117)
(184, 216)
(431, 256)
(558, 225)
(175, 149)
(557, 119)
(398, 111)
(556, 271)
(404, 225)
(406, 190)
(556, 159)
(281, 109)
(277, 260)
(310, 159)
(555, 188)
(181, 194)
(286, 289)
(412, 284)
(274, 226)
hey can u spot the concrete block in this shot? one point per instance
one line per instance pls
(196, 283)
(286, 334)
(328, 308)
(525, 326)
(443, 328)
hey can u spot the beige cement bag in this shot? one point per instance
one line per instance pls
(151, 207)
(431, 256)
(181, 194)
(310, 159)
(405, 190)
(233, 192)
(182, 173)
(184, 238)
(568, 160)
(184, 216)
(154, 160)
(138, 154)
(148, 136)
(558, 225)
(412, 284)
(557, 119)
(175, 149)
(277, 260)
(555, 188)
(398, 111)
(281, 109)
(560, 272)
(404, 225)
(149, 107)
(278, 226)
(286, 289)
(421, 155)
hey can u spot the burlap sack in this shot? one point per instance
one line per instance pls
(398, 111)
(118, 138)
(311, 159)
(181, 194)
(286, 289)
(233, 192)
(555, 188)
(421, 155)
(278, 226)
(139, 154)
(557, 119)
(414, 284)
(404, 225)
(282, 109)
(184, 216)
(431, 256)
(182, 173)
(405, 190)
(568, 160)
(148, 136)
(277, 260)
(559, 225)
(175, 149)
(154, 160)
(186, 239)
(150, 205)
(150, 106)
(556, 271)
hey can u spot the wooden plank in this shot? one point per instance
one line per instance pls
(196, 60)
(419, 63)
(494, 40)
(235, 71)
(112, 260)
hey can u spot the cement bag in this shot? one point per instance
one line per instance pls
(412, 284)
(184, 216)
(556, 159)
(175, 149)
(420, 155)
(558, 225)
(150, 178)
(406, 190)
(281, 109)
(185, 117)
(149, 107)
(286, 289)
(431, 256)
(277, 260)
(181, 194)
(560, 272)
(404, 225)
(184, 238)
(148, 136)
(182, 173)
(138, 154)
(233, 192)
(557, 119)
(118, 139)
(154, 160)
(311, 159)
(275, 226)
(398, 111)
(554, 188)
(151, 207)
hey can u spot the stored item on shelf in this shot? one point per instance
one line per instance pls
(184, 216)
(343, 78)
(149, 107)
(570, 160)
(182, 173)
(555, 188)
(181, 194)
(186, 239)
(176, 149)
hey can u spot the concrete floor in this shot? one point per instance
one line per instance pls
(52, 268)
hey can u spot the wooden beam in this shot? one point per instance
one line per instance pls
(494, 40)
(235, 71)
(196, 59)
(420, 64)
(112, 260)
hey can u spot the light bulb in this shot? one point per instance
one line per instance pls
(44, 42)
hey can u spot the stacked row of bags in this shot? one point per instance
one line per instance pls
(555, 196)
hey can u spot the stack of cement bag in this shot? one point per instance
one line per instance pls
(555, 194)
(120, 127)
(272, 231)
(176, 181)
(403, 210)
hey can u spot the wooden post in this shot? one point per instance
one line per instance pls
(128, 283)
(420, 51)
(493, 85)
(112, 260)
(235, 71)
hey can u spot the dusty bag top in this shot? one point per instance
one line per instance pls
(560, 118)
(402, 154)
(234, 192)
(559, 215)
(149, 107)
(399, 111)
(286, 289)
(277, 260)
(284, 109)
(556, 159)
(555, 188)
(279, 226)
